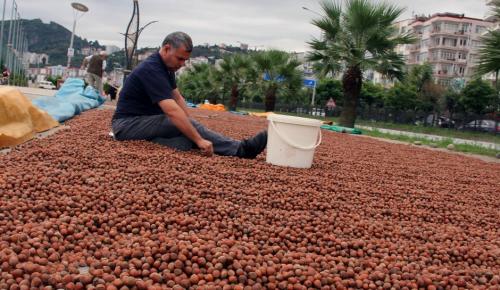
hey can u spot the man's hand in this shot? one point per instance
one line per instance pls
(206, 147)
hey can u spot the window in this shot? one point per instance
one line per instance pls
(437, 40)
(435, 55)
(450, 41)
(463, 42)
(480, 29)
(446, 68)
(423, 57)
(436, 27)
(450, 27)
(462, 55)
(466, 27)
(448, 55)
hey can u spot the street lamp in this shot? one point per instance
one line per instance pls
(78, 7)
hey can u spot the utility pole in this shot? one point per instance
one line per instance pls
(1, 32)
(9, 42)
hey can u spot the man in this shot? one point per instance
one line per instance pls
(151, 107)
(95, 67)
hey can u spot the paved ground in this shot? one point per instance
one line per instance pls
(489, 145)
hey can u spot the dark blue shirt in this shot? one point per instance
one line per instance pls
(149, 83)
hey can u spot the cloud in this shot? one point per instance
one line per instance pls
(269, 23)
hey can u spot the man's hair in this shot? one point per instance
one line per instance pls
(177, 39)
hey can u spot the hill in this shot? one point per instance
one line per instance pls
(52, 39)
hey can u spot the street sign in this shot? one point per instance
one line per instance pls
(71, 52)
(310, 83)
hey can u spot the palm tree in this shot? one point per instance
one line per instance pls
(280, 75)
(236, 71)
(201, 82)
(359, 37)
(489, 54)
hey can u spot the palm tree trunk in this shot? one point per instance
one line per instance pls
(351, 82)
(270, 100)
(234, 97)
(497, 86)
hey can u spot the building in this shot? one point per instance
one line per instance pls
(448, 42)
(110, 49)
(306, 66)
(35, 59)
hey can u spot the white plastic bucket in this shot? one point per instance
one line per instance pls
(291, 140)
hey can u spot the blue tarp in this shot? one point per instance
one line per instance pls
(70, 100)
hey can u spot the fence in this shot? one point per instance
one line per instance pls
(13, 46)
(425, 118)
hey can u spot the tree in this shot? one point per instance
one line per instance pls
(372, 95)
(201, 82)
(489, 54)
(359, 37)
(450, 102)
(477, 96)
(401, 97)
(280, 75)
(329, 88)
(237, 71)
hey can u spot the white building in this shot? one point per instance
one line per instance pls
(32, 58)
(112, 49)
(449, 42)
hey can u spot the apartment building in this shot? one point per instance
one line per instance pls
(449, 42)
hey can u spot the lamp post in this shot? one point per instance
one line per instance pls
(78, 7)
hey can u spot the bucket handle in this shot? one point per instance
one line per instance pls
(290, 143)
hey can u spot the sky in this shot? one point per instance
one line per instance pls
(262, 24)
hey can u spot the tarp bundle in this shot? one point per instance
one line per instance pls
(218, 107)
(19, 119)
(70, 100)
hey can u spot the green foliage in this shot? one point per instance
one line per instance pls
(419, 76)
(201, 82)
(361, 35)
(357, 36)
(329, 88)
(401, 97)
(372, 95)
(285, 80)
(54, 79)
(451, 101)
(237, 72)
(478, 97)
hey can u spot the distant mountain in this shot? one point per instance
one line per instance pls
(53, 39)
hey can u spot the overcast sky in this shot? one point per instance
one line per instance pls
(279, 24)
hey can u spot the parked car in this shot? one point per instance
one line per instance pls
(481, 125)
(440, 121)
(46, 85)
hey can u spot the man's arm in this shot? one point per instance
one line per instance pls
(181, 121)
(85, 63)
(179, 99)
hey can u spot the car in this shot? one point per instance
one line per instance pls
(441, 121)
(482, 125)
(46, 85)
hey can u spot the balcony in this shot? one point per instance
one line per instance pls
(414, 48)
(444, 32)
(444, 46)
